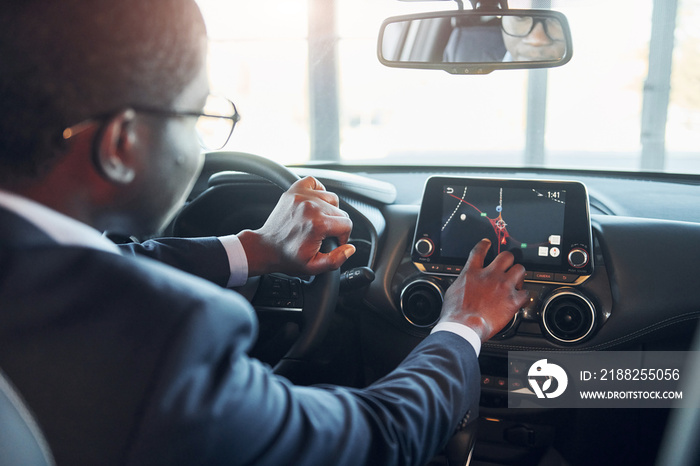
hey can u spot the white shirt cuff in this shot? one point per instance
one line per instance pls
(461, 330)
(237, 260)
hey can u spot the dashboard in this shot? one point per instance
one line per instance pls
(624, 278)
(610, 281)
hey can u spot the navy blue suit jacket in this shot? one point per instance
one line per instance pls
(125, 360)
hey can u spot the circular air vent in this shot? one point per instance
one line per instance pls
(421, 302)
(568, 316)
(510, 328)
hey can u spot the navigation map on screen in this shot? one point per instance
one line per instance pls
(527, 222)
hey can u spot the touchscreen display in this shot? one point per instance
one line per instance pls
(528, 222)
(544, 224)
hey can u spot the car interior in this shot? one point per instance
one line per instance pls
(605, 218)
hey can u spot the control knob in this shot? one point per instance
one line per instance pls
(578, 258)
(424, 247)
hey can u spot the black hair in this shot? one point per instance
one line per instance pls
(62, 62)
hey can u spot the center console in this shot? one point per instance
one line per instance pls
(544, 224)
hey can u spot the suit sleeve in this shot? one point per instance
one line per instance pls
(212, 404)
(203, 257)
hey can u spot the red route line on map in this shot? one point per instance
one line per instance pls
(501, 237)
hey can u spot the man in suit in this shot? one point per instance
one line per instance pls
(127, 360)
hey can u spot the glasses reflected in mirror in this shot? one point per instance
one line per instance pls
(529, 38)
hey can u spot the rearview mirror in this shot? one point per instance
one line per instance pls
(476, 42)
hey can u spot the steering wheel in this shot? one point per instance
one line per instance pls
(319, 295)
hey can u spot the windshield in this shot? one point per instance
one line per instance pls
(305, 77)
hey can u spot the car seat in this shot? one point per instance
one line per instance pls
(21, 440)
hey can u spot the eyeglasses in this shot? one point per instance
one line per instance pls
(214, 126)
(522, 26)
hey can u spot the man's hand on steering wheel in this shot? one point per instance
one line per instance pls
(290, 240)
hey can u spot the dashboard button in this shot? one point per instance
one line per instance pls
(565, 278)
(516, 384)
(549, 276)
(516, 368)
(433, 267)
(453, 269)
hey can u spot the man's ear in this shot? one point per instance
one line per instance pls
(113, 150)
